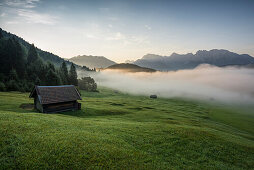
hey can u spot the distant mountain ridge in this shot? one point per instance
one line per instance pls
(130, 68)
(176, 61)
(92, 61)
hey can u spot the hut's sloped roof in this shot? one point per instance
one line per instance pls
(56, 94)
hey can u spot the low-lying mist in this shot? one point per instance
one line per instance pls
(231, 85)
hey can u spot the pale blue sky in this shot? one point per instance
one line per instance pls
(129, 29)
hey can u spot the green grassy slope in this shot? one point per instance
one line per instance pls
(115, 130)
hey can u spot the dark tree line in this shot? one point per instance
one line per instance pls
(20, 71)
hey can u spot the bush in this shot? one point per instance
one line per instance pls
(2, 86)
(29, 86)
(88, 84)
(12, 85)
(2, 77)
(23, 86)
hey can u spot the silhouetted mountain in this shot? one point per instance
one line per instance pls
(215, 57)
(92, 61)
(130, 68)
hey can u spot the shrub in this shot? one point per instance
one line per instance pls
(88, 84)
(12, 85)
(2, 77)
(2, 86)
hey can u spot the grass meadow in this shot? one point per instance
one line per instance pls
(120, 131)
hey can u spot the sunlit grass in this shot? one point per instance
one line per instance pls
(115, 130)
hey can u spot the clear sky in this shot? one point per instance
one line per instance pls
(129, 29)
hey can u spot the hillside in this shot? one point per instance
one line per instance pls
(44, 55)
(23, 66)
(215, 57)
(115, 131)
(92, 61)
(130, 68)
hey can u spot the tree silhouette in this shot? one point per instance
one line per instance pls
(32, 54)
(64, 73)
(52, 78)
(1, 33)
(73, 77)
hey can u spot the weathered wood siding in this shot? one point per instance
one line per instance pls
(59, 107)
(56, 107)
(37, 104)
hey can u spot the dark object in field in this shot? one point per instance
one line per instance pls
(27, 106)
(153, 96)
(49, 99)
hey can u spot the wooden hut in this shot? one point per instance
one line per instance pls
(50, 99)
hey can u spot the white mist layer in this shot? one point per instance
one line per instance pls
(212, 83)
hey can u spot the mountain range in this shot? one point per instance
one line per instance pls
(175, 61)
(92, 61)
(216, 57)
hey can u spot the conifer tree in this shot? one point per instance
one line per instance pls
(64, 73)
(13, 75)
(73, 77)
(51, 66)
(19, 59)
(52, 78)
(1, 33)
(32, 54)
(12, 56)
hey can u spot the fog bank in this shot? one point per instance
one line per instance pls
(205, 82)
